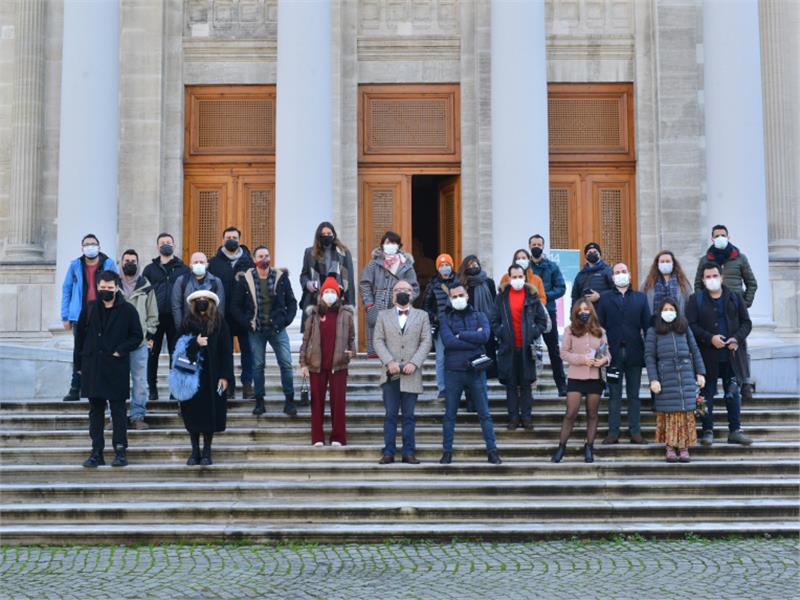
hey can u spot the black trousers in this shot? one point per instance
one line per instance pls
(551, 340)
(119, 421)
(166, 326)
(519, 397)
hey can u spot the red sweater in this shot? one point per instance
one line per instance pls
(327, 337)
(516, 300)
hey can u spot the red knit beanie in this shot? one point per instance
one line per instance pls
(330, 283)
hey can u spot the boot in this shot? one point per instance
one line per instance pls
(260, 409)
(513, 423)
(194, 457)
(120, 460)
(671, 456)
(588, 453)
(684, 457)
(527, 424)
(559, 453)
(493, 457)
(73, 395)
(247, 391)
(95, 460)
(206, 457)
(288, 406)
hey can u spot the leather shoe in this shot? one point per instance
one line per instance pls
(512, 424)
(386, 459)
(527, 424)
(638, 439)
(493, 458)
(611, 439)
(447, 458)
(94, 460)
(410, 459)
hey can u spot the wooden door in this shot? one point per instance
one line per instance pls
(256, 211)
(565, 195)
(209, 207)
(450, 218)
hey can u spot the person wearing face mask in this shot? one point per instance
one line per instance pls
(666, 279)
(206, 413)
(720, 322)
(198, 279)
(79, 288)
(595, 279)
(737, 276)
(162, 272)
(675, 369)
(625, 316)
(481, 294)
(520, 318)
(388, 265)
(326, 256)
(522, 258)
(435, 301)
(264, 304)
(555, 288)
(137, 290)
(108, 331)
(465, 331)
(585, 349)
(231, 261)
(402, 341)
(328, 345)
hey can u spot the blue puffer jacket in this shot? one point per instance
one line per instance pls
(553, 280)
(72, 289)
(470, 342)
(597, 277)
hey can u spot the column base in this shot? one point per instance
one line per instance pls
(24, 252)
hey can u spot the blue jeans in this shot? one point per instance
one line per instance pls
(139, 382)
(633, 380)
(393, 400)
(247, 358)
(283, 352)
(438, 344)
(733, 399)
(76, 377)
(456, 382)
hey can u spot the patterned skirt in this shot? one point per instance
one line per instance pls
(676, 429)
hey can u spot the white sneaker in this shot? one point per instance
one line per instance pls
(337, 444)
(318, 444)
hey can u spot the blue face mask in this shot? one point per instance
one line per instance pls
(583, 317)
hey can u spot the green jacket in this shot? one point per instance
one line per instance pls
(737, 275)
(144, 301)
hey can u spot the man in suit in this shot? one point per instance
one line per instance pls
(402, 340)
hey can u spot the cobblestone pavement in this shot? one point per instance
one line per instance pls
(617, 568)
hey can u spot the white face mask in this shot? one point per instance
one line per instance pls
(517, 284)
(665, 268)
(459, 303)
(721, 242)
(330, 298)
(523, 262)
(390, 249)
(622, 279)
(668, 316)
(713, 285)
(199, 269)
(91, 251)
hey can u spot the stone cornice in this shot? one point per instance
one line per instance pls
(210, 50)
(409, 48)
(590, 47)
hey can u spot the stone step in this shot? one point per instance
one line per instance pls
(338, 533)
(573, 466)
(405, 486)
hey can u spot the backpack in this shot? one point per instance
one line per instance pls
(184, 375)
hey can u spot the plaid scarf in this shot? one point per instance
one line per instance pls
(263, 321)
(665, 289)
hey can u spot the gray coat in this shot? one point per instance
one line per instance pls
(674, 360)
(181, 291)
(376, 285)
(411, 345)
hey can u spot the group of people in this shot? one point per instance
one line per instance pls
(686, 339)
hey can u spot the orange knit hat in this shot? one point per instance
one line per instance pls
(445, 259)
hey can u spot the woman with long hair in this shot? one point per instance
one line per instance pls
(327, 255)
(666, 279)
(585, 350)
(522, 258)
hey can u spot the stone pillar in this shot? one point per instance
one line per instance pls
(88, 148)
(303, 150)
(28, 123)
(735, 136)
(520, 166)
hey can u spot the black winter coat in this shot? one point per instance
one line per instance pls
(436, 298)
(207, 411)
(102, 332)
(220, 267)
(162, 277)
(597, 277)
(534, 322)
(283, 306)
(674, 360)
(625, 320)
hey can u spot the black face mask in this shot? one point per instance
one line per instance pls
(166, 249)
(130, 268)
(472, 271)
(403, 298)
(327, 240)
(231, 245)
(536, 252)
(106, 295)
(201, 305)
(593, 257)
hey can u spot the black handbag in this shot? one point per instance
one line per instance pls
(304, 401)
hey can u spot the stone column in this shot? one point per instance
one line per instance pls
(735, 136)
(520, 166)
(303, 150)
(27, 122)
(88, 148)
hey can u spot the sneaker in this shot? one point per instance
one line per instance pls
(493, 457)
(120, 460)
(139, 424)
(671, 456)
(684, 456)
(708, 438)
(94, 460)
(318, 444)
(336, 444)
(737, 437)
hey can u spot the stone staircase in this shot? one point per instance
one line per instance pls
(268, 483)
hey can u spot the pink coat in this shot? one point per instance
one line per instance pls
(574, 350)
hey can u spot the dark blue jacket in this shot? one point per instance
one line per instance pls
(554, 286)
(625, 320)
(470, 342)
(597, 277)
